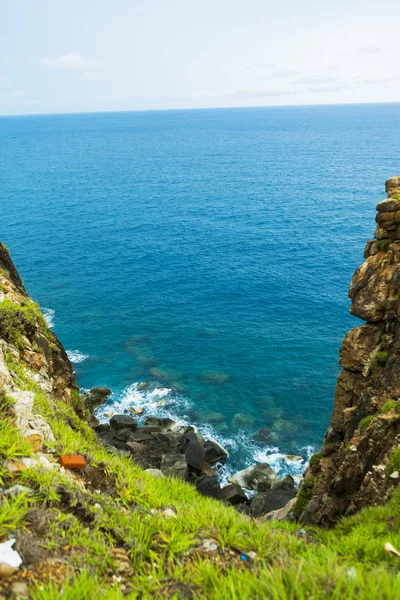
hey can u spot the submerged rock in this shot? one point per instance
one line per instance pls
(257, 477)
(215, 377)
(243, 420)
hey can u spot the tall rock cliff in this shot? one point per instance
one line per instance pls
(25, 336)
(359, 463)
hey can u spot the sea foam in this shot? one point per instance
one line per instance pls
(243, 450)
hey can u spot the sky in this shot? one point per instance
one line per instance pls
(59, 56)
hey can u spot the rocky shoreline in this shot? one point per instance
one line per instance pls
(165, 448)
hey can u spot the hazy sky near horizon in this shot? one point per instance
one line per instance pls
(95, 55)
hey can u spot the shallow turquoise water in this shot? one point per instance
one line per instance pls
(171, 244)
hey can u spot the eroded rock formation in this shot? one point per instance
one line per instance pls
(360, 459)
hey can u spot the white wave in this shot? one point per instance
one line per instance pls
(76, 357)
(48, 314)
(243, 451)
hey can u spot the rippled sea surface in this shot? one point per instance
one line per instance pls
(208, 252)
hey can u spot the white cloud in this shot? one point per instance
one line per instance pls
(73, 60)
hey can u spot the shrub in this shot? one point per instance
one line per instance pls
(388, 406)
(364, 423)
(380, 358)
(17, 320)
(394, 460)
(382, 245)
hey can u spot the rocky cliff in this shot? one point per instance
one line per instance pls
(24, 334)
(359, 463)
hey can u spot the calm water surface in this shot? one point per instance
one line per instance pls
(207, 251)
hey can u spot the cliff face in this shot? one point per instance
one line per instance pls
(26, 338)
(360, 459)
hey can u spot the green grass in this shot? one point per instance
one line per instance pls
(382, 245)
(166, 555)
(394, 460)
(380, 358)
(20, 320)
(364, 423)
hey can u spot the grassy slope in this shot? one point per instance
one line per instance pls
(84, 524)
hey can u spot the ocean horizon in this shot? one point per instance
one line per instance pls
(205, 251)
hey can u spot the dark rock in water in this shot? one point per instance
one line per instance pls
(186, 439)
(277, 497)
(244, 509)
(195, 454)
(208, 485)
(233, 494)
(163, 422)
(174, 465)
(214, 452)
(96, 396)
(257, 477)
(102, 427)
(215, 377)
(182, 429)
(121, 421)
(143, 386)
(263, 435)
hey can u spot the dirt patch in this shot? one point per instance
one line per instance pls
(97, 479)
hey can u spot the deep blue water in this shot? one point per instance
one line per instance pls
(170, 244)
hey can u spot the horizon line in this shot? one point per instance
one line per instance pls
(194, 108)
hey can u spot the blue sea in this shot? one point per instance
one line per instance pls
(208, 252)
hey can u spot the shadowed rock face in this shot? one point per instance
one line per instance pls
(41, 351)
(7, 265)
(355, 465)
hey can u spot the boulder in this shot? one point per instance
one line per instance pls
(275, 498)
(244, 509)
(214, 452)
(174, 465)
(123, 421)
(143, 438)
(208, 485)
(195, 455)
(257, 477)
(164, 423)
(96, 396)
(233, 494)
(124, 434)
(102, 427)
(281, 513)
